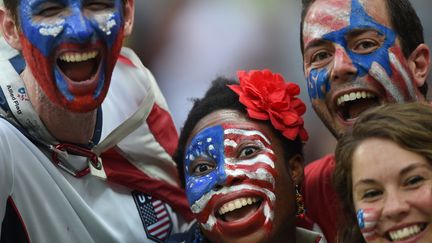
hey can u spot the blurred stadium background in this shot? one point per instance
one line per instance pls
(188, 43)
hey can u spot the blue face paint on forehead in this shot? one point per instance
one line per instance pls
(359, 19)
(318, 80)
(207, 144)
(71, 26)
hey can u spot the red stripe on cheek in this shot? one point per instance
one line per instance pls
(397, 78)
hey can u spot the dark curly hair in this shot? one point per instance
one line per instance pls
(219, 96)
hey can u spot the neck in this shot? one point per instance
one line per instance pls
(64, 125)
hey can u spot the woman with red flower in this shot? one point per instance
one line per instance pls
(240, 157)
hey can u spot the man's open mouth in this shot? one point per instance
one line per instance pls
(351, 105)
(79, 66)
(238, 209)
(405, 233)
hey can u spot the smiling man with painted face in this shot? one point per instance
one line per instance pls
(357, 54)
(85, 135)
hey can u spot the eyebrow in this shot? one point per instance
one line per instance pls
(356, 32)
(365, 181)
(413, 166)
(315, 43)
(403, 172)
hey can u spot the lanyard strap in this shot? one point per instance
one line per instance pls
(25, 118)
(20, 105)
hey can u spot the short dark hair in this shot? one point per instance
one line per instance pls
(408, 125)
(405, 23)
(219, 96)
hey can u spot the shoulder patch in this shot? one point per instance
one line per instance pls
(154, 216)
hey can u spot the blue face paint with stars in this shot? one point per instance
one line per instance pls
(207, 144)
(51, 28)
(74, 27)
(318, 80)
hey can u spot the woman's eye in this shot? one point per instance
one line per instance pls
(414, 180)
(203, 168)
(248, 152)
(371, 194)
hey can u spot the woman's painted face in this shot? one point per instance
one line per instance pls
(236, 181)
(395, 206)
(71, 47)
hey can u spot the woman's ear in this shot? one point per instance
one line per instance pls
(295, 166)
(418, 63)
(129, 16)
(9, 29)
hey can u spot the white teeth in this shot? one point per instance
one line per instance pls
(404, 233)
(236, 204)
(78, 57)
(354, 96)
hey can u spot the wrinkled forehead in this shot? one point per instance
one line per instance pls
(325, 16)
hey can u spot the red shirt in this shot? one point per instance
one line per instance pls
(321, 203)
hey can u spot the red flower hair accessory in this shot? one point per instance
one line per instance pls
(267, 96)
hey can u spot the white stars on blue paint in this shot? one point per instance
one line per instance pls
(208, 146)
(106, 22)
(52, 29)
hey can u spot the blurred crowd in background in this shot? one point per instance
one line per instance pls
(188, 43)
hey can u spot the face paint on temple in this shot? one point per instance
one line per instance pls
(230, 180)
(71, 47)
(353, 61)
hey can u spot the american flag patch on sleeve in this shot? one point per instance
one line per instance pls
(154, 216)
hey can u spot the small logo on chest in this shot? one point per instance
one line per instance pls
(154, 216)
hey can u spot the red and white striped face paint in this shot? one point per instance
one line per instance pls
(232, 172)
(395, 206)
(367, 220)
(324, 18)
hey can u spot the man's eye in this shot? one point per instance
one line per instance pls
(248, 152)
(320, 56)
(365, 46)
(99, 5)
(50, 10)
